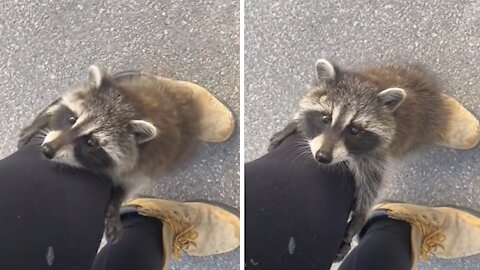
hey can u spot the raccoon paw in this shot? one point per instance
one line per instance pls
(342, 251)
(22, 142)
(113, 228)
(276, 140)
(23, 139)
(280, 136)
(274, 143)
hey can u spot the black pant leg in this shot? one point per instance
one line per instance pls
(386, 245)
(139, 247)
(295, 210)
(52, 217)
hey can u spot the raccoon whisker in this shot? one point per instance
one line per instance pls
(301, 144)
(39, 136)
(298, 155)
(43, 131)
(302, 151)
(297, 152)
(305, 150)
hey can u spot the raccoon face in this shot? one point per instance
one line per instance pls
(92, 127)
(345, 116)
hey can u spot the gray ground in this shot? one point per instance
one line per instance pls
(46, 46)
(284, 39)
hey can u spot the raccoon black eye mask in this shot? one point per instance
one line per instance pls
(366, 117)
(91, 155)
(357, 140)
(62, 119)
(130, 126)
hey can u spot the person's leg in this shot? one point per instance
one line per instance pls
(139, 247)
(52, 217)
(154, 230)
(399, 234)
(296, 211)
(385, 244)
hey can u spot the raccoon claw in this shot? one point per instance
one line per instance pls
(113, 229)
(23, 139)
(22, 142)
(342, 251)
(280, 136)
(274, 143)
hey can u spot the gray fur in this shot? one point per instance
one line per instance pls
(397, 109)
(130, 127)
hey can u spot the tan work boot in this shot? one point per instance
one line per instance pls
(196, 228)
(445, 232)
(463, 131)
(216, 120)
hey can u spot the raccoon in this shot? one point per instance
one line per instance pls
(364, 120)
(131, 127)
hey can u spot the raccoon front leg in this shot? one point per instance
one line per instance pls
(280, 136)
(113, 224)
(368, 178)
(356, 223)
(41, 121)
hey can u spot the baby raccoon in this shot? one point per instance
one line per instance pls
(364, 119)
(130, 126)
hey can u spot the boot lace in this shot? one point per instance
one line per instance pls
(184, 237)
(433, 237)
(183, 230)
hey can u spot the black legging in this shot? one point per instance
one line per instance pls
(385, 245)
(296, 214)
(52, 217)
(140, 246)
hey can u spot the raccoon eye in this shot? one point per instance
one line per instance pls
(354, 130)
(92, 143)
(71, 120)
(325, 119)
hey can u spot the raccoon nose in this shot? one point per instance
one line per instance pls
(47, 151)
(323, 157)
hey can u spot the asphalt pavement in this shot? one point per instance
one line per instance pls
(284, 38)
(46, 46)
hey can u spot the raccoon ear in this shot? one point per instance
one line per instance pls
(392, 98)
(144, 131)
(95, 76)
(324, 71)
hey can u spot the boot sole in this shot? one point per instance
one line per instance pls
(461, 208)
(225, 207)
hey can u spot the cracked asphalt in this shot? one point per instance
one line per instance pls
(284, 38)
(47, 45)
